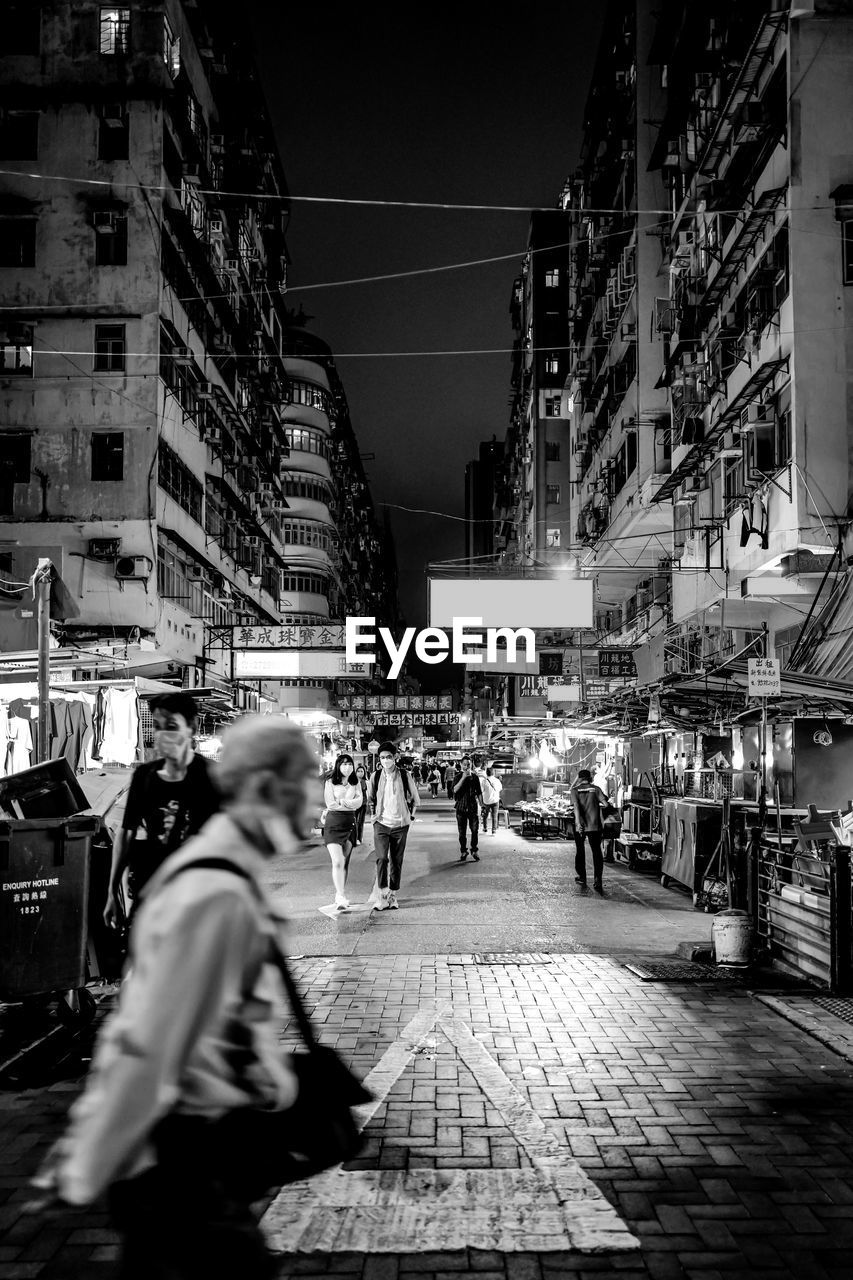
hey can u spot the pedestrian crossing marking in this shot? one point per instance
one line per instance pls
(552, 1207)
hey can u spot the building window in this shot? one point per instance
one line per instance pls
(552, 451)
(114, 132)
(20, 28)
(312, 396)
(110, 238)
(19, 135)
(108, 455)
(15, 463)
(552, 278)
(552, 537)
(17, 242)
(114, 31)
(176, 479)
(16, 455)
(303, 440)
(552, 406)
(171, 49)
(110, 348)
(552, 363)
(16, 355)
(305, 582)
(552, 494)
(847, 249)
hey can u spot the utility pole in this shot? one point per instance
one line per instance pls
(41, 578)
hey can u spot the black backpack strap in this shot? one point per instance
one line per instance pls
(278, 957)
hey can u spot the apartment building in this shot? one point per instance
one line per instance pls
(481, 475)
(532, 500)
(169, 436)
(618, 425)
(755, 150)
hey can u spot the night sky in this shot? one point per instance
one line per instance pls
(450, 103)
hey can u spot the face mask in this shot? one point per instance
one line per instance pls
(173, 744)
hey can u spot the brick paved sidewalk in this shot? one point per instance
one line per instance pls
(718, 1130)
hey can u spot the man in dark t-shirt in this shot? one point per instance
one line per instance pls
(169, 799)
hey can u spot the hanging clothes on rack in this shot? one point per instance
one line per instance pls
(121, 727)
(23, 736)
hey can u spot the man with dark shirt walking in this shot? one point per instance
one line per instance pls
(467, 798)
(170, 799)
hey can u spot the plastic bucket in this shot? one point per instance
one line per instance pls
(732, 934)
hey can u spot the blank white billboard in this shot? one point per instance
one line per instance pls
(295, 664)
(561, 602)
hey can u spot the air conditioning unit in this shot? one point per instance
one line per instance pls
(105, 222)
(252, 542)
(181, 355)
(114, 115)
(689, 492)
(730, 445)
(104, 548)
(133, 568)
(213, 436)
(756, 415)
(232, 265)
(190, 171)
(752, 122)
(196, 573)
(206, 391)
(217, 143)
(627, 332)
(215, 227)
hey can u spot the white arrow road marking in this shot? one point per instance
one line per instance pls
(553, 1207)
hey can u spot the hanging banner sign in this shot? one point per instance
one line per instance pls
(618, 663)
(764, 676)
(326, 636)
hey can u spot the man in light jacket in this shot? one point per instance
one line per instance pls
(195, 1033)
(393, 797)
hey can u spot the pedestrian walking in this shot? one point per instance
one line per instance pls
(451, 778)
(394, 800)
(434, 779)
(467, 798)
(588, 802)
(361, 814)
(491, 786)
(195, 1035)
(343, 798)
(416, 774)
(169, 799)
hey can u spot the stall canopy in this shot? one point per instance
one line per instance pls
(681, 702)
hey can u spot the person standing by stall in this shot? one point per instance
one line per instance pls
(467, 798)
(170, 799)
(343, 798)
(588, 801)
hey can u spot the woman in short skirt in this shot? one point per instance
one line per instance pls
(343, 798)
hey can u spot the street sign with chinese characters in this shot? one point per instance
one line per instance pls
(325, 636)
(616, 664)
(764, 676)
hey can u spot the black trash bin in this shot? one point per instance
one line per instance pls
(44, 904)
